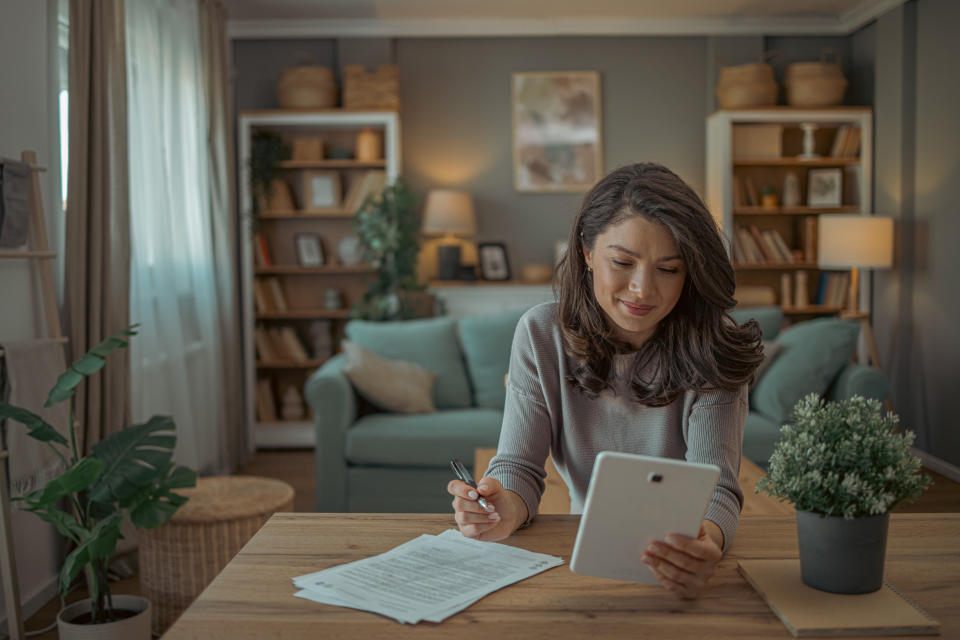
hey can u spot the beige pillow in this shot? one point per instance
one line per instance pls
(393, 385)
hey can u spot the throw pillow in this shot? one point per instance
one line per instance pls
(393, 385)
(770, 351)
(430, 343)
(813, 353)
(769, 319)
(487, 341)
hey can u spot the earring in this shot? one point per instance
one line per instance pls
(590, 269)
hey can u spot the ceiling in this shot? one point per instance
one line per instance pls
(465, 18)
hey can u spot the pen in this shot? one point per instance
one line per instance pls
(465, 477)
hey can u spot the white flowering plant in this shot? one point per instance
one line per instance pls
(843, 459)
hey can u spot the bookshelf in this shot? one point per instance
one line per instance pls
(289, 330)
(773, 244)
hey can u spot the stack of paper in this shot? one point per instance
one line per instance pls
(428, 578)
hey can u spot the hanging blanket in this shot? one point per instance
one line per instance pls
(28, 370)
(14, 204)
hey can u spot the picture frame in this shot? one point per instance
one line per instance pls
(824, 187)
(309, 250)
(320, 191)
(557, 139)
(494, 263)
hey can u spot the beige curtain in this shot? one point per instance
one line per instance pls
(224, 220)
(97, 278)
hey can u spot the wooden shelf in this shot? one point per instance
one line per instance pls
(294, 270)
(304, 215)
(289, 364)
(304, 314)
(11, 254)
(794, 162)
(793, 211)
(332, 164)
(811, 310)
(774, 266)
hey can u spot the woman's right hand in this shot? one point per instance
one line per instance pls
(508, 509)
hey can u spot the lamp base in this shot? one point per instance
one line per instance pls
(448, 261)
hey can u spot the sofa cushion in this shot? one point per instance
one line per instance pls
(813, 354)
(430, 343)
(760, 434)
(769, 319)
(425, 440)
(392, 385)
(486, 344)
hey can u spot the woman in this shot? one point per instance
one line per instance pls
(639, 356)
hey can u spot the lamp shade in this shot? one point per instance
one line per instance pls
(449, 212)
(858, 241)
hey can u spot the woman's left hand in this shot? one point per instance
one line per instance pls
(683, 564)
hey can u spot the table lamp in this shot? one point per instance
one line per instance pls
(448, 214)
(856, 242)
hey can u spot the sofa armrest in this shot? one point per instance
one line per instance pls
(858, 379)
(331, 396)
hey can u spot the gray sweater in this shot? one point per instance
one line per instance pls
(544, 414)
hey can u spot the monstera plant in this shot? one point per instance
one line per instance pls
(129, 473)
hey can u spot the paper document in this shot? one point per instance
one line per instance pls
(428, 578)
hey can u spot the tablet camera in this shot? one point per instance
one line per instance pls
(655, 477)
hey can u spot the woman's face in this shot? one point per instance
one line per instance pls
(638, 276)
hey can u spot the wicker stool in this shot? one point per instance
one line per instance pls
(179, 559)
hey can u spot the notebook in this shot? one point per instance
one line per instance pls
(810, 612)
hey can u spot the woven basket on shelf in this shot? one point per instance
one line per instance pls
(377, 90)
(307, 87)
(815, 84)
(179, 559)
(747, 85)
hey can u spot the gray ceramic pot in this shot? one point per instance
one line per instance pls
(842, 556)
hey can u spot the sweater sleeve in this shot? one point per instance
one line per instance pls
(715, 436)
(526, 432)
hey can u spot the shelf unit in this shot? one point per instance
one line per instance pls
(790, 222)
(303, 287)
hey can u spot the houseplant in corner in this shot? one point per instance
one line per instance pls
(129, 473)
(844, 467)
(387, 224)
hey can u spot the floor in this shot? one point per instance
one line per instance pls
(296, 468)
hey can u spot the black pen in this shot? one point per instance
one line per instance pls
(465, 477)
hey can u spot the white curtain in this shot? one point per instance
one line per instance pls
(176, 360)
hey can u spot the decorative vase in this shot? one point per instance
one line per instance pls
(136, 627)
(791, 190)
(350, 250)
(369, 145)
(842, 556)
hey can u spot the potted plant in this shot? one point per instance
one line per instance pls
(844, 466)
(387, 224)
(266, 152)
(128, 474)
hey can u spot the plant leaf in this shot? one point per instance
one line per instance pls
(99, 544)
(133, 458)
(65, 523)
(39, 429)
(75, 479)
(154, 506)
(89, 363)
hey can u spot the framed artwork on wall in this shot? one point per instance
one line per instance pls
(320, 191)
(557, 144)
(309, 250)
(494, 264)
(824, 187)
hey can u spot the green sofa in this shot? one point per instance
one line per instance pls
(370, 461)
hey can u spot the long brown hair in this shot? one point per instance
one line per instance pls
(697, 345)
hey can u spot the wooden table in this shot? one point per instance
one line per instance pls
(253, 596)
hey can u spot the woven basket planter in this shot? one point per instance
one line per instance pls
(377, 90)
(307, 87)
(815, 84)
(746, 85)
(179, 559)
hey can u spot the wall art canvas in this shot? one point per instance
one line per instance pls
(557, 142)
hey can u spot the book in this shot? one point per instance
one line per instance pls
(738, 257)
(768, 255)
(293, 345)
(840, 141)
(809, 612)
(800, 291)
(786, 290)
(371, 182)
(275, 294)
(750, 251)
(810, 225)
(261, 299)
(261, 251)
(753, 196)
(822, 288)
(852, 143)
(772, 245)
(739, 197)
(279, 344)
(782, 245)
(266, 406)
(265, 350)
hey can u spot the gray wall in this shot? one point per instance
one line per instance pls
(917, 304)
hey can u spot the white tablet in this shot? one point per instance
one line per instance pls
(632, 501)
